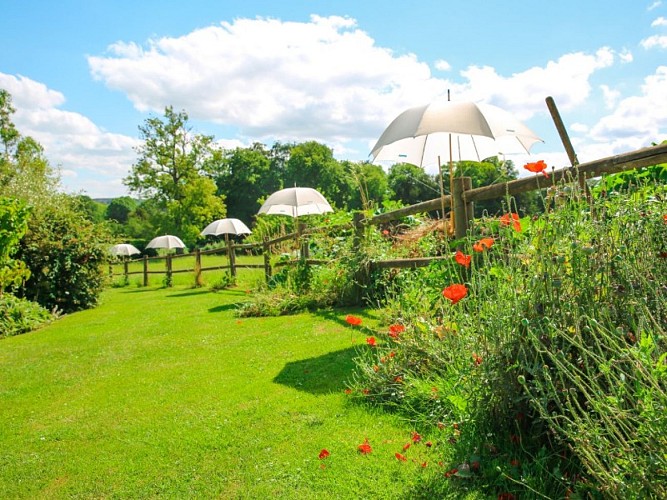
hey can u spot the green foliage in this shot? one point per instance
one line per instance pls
(64, 252)
(13, 225)
(372, 186)
(653, 175)
(20, 316)
(411, 184)
(119, 209)
(550, 373)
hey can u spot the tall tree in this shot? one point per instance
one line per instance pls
(312, 164)
(371, 185)
(411, 184)
(246, 177)
(174, 170)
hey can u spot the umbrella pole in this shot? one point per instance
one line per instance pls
(442, 194)
(451, 186)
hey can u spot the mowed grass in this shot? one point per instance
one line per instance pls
(165, 393)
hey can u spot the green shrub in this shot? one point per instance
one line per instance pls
(65, 253)
(20, 316)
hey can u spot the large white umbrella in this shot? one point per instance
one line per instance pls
(295, 202)
(124, 249)
(455, 131)
(226, 226)
(166, 241)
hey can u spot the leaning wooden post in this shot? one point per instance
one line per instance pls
(145, 270)
(463, 212)
(267, 259)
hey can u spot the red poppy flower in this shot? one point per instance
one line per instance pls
(385, 232)
(537, 167)
(365, 448)
(664, 217)
(366, 392)
(428, 444)
(371, 341)
(483, 244)
(477, 359)
(394, 330)
(400, 457)
(513, 219)
(398, 379)
(424, 464)
(376, 368)
(462, 258)
(455, 292)
(348, 391)
(450, 473)
(353, 320)
(406, 446)
(416, 437)
(324, 454)
(392, 354)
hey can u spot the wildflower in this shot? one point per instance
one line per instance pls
(400, 457)
(477, 359)
(365, 448)
(366, 392)
(406, 446)
(395, 330)
(450, 473)
(664, 217)
(324, 454)
(512, 219)
(398, 379)
(474, 466)
(455, 292)
(428, 444)
(392, 354)
(371, 341)
(416, 437)
(385, 232)
(353, 320)
(348, 391)
(514, 462)
(462, 258)
(424, 464)
(537, 168)
(376, 368)
(483, 244)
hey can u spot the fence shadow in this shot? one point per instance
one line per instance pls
(320, 375)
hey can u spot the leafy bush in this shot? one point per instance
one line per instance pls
(65, 253)
(20, 316)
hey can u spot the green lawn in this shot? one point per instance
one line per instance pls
(165, 393)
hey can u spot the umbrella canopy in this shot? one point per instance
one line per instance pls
(226, 226)
(475, 131)
(166, 241)
(124, 249)
(295, 202)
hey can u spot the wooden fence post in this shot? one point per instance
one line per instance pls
(232, 257)
(267, 259)
(168, 262)
(198, 280)
(463, 212)
(125, 269)
(361, 274)
(145, 270)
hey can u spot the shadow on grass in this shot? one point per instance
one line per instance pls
(189, 293)
(223, 308)
(321, 375)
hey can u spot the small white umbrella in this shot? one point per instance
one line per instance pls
(295, 202)
(166, 241)
(124, 249)
(226, 226)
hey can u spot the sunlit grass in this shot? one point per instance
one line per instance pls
(165, 392)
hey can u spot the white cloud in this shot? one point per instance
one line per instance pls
(660, 21)
(625, 56)
(610, 96)
(654, 5)
(637, 121)
(71, 142)
(653, 41)
(442, 65)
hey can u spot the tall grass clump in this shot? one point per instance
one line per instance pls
(545, 364)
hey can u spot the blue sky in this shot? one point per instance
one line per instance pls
(85, 74)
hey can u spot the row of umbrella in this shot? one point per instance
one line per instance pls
(294, 202)
(457, 130)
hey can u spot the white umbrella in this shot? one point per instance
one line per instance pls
(295, 202)
(166, 241)
(124, 249)
(226, 226)
(454, 130)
